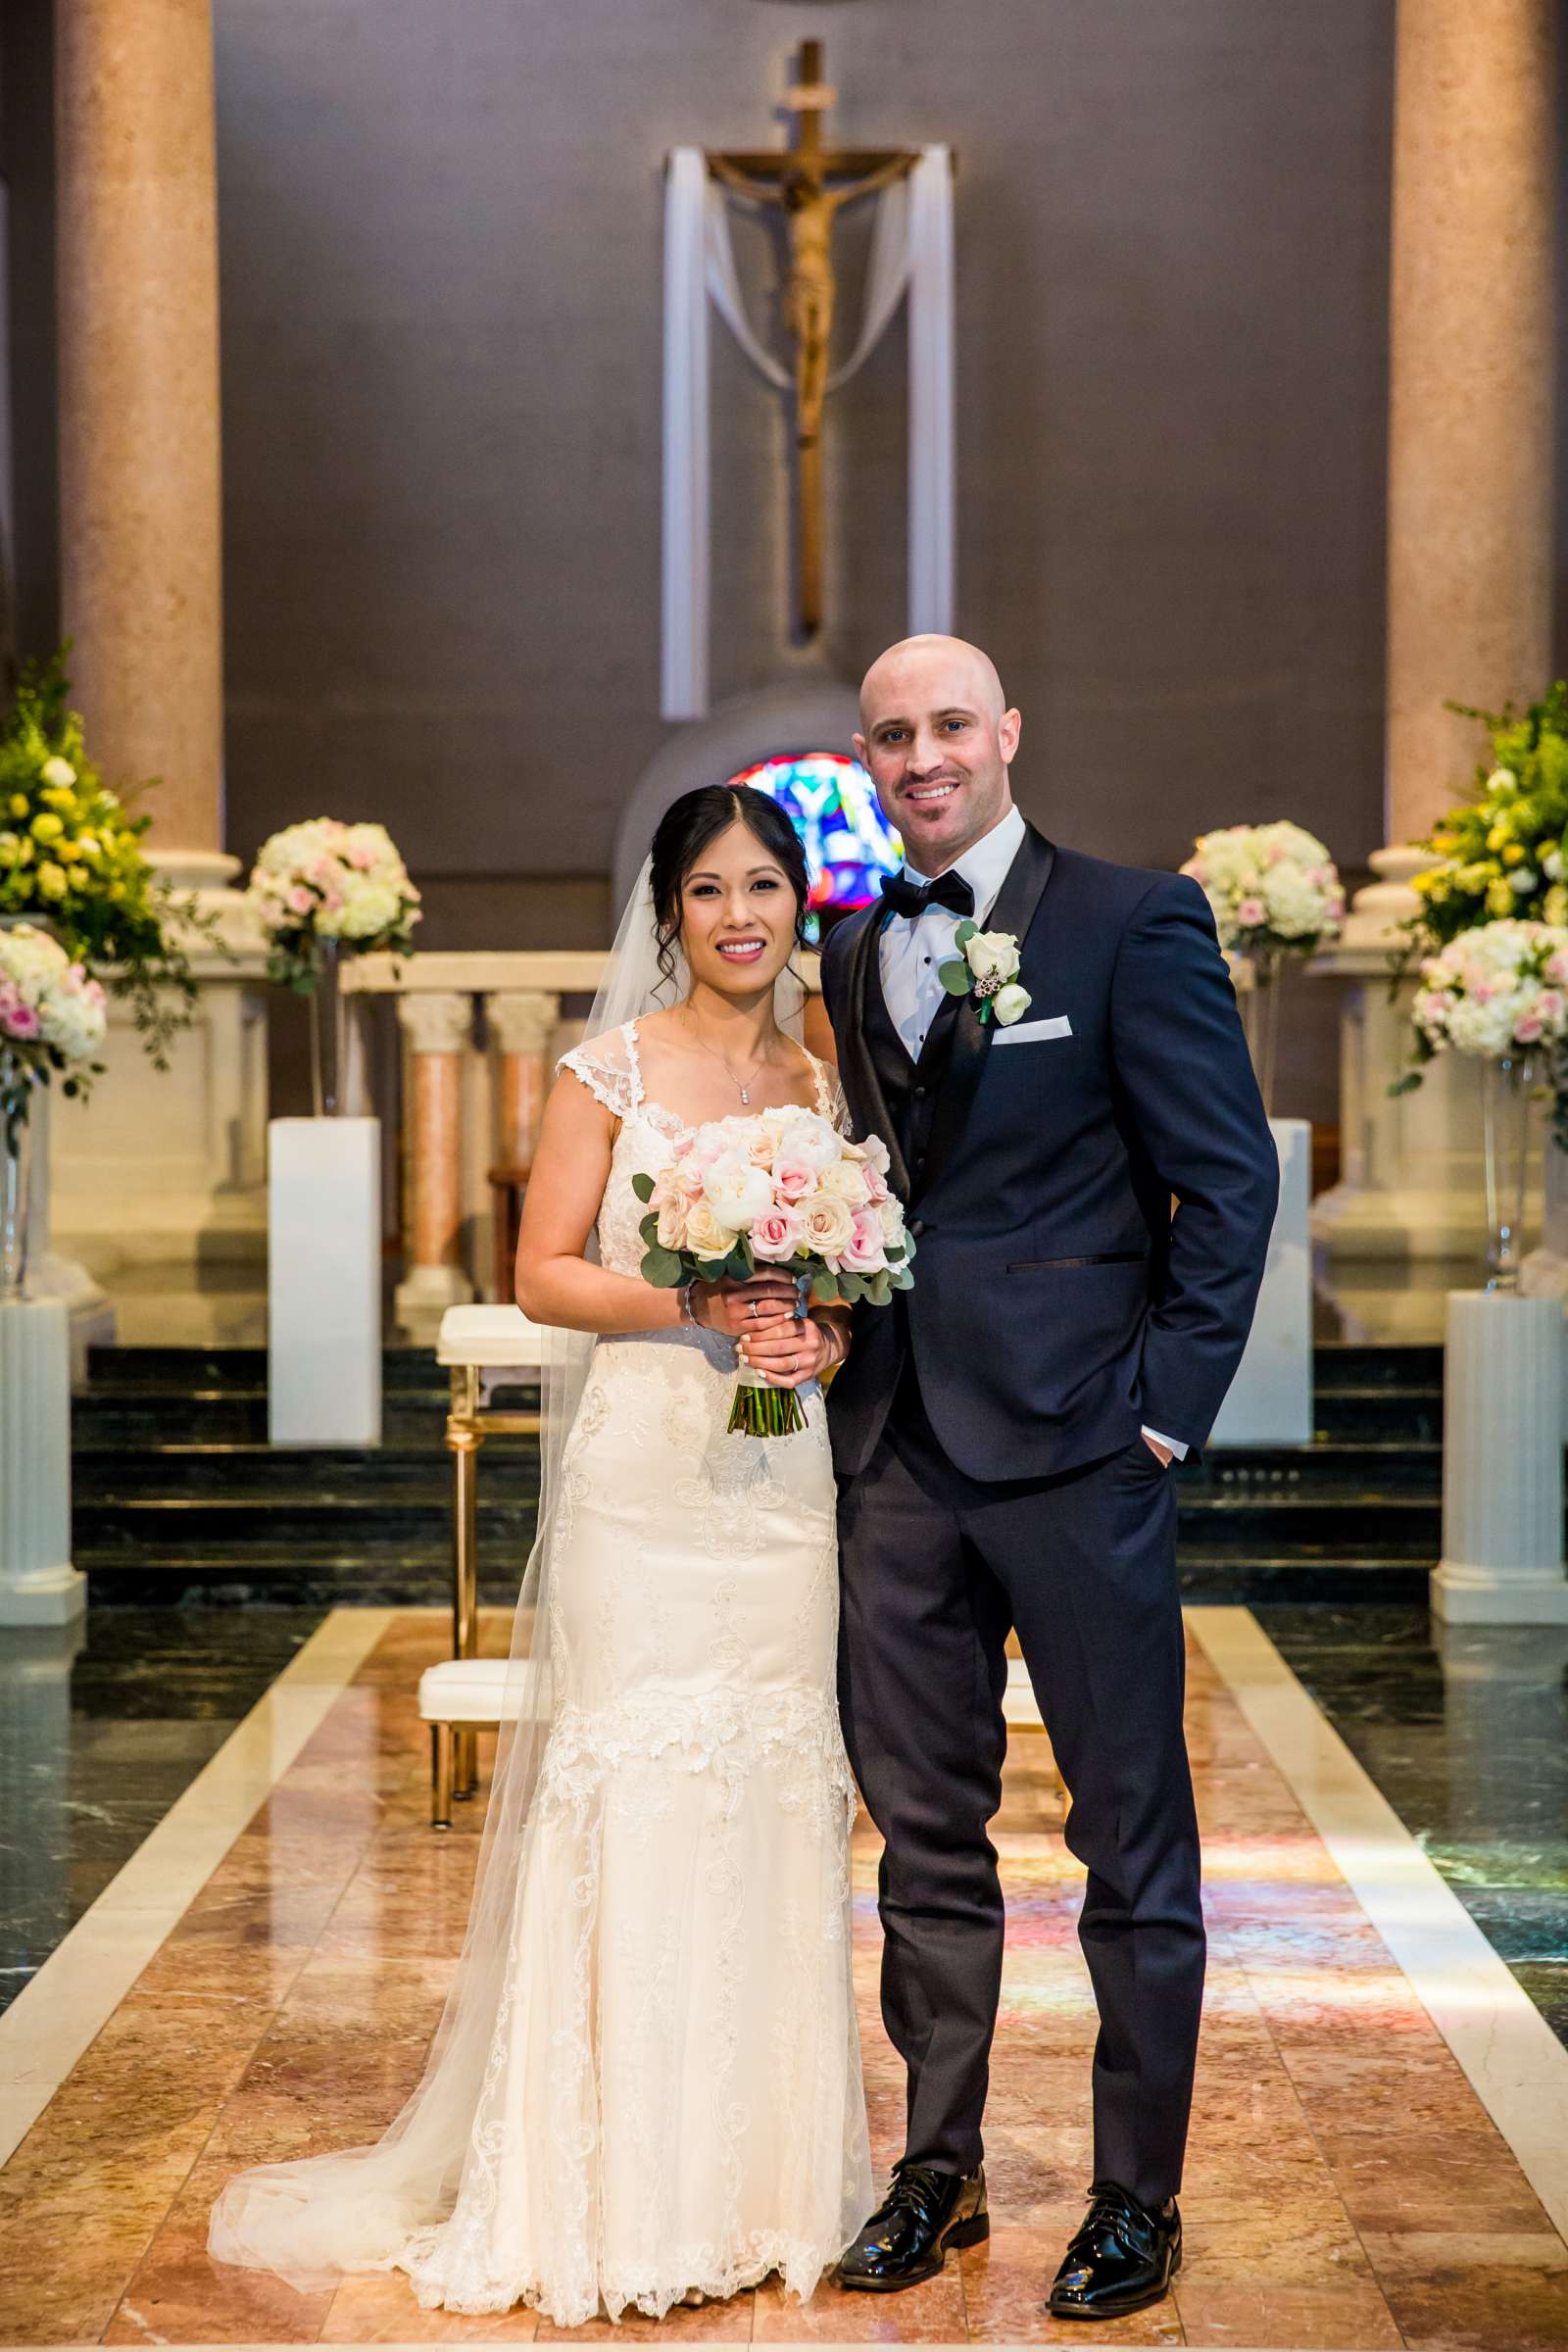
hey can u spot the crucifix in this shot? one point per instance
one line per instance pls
(809, 184)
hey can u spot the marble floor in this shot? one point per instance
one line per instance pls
(1378, 2155)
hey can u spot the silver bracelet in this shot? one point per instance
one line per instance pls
(688, 1313)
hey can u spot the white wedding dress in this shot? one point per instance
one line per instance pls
(671, 2097)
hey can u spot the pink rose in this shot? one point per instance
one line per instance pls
(1549, 1005)
(10, 998)
(300, 900)
(1251, 913)
(777, 1234)
(1557, 967)
(1528, 1028)
(865, 1253)
(793, 1178)
(21, 1022)
(362, 856)
(667, 1188)
(876, 1185)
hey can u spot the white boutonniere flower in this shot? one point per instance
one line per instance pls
(987, 966)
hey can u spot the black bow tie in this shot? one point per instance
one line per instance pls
(907, 897)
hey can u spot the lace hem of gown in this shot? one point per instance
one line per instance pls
(711, 2271)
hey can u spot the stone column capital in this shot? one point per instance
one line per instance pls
(436, 1020)
(524, 1020)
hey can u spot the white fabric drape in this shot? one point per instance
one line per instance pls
(911, 253)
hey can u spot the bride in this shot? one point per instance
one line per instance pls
(646, 2084)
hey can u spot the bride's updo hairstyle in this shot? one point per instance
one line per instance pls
(684, 832)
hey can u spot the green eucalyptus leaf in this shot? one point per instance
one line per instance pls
(643, 1186)
(825, 1286)
(955, 977)
(965, 932)
(664, 1269)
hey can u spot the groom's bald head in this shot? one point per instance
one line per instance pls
(937, 738)
(914, 660)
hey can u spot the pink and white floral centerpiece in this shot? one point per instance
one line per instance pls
(52, 1023)
(1499, 992)
(324, 890)
(781, 1189)
(1274, 892)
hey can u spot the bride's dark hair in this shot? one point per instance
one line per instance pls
(684, 832)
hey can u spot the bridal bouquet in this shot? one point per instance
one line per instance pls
(327, 881)
(779, 1189)
(51, 1018)
(1273, 889)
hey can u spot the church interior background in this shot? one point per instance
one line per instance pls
(365, 444)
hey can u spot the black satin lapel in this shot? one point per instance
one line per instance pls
(862, 1088)
(1017, 903)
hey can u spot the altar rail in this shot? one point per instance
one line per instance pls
(481, 1031)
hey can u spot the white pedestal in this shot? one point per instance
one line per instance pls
(324, 1333)
(38, 1586)
(1269, 1403)
(1502, 1495)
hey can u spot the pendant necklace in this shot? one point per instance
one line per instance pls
(744, 1091)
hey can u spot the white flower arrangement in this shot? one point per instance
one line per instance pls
(1273, 889)
(987, 965)
(52, 1020)
(324, 880)
(1500, 988)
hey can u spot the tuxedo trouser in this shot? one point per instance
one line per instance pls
(936, 1567)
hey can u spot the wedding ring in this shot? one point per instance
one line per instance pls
(794, 1363)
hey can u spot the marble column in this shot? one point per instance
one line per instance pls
(436, 1025)
(1471, 420)
(523, 1023)
(141, 515)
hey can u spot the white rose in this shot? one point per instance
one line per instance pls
(1010, 1003)
(706, 1237)
(737, 1191)
(810, 1140)
(844, 1181)
(58, 771)
(992, 956)
(828, 1224)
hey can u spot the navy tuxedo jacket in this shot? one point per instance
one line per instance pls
(1058, 1305)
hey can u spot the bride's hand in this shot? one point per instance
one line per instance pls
(752, 1306)
(793, 1352)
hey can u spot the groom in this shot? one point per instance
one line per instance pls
(1003, 1432)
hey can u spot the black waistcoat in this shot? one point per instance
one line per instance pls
(909, 1088)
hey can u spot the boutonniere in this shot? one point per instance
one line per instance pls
(986, 966)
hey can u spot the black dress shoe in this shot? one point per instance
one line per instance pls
(907, 2238)
(1122, 2258)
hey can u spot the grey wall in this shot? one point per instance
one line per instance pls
(441, 327)
(440, 249)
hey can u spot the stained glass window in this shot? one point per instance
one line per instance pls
(849, 843)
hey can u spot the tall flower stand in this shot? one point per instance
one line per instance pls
(38, 1586)
(1269, 1403)
(324, 1333)
(1502, 1485)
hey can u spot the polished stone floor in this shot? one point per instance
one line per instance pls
(1465, 1731)
(101, 1729)
(1349, 2183)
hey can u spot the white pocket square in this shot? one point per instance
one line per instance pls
(1034, 1033)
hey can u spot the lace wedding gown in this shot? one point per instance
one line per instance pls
(671, 2097)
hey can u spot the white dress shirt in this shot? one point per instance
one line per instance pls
(913, 947)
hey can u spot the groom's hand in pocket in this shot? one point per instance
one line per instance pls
(745, 1308)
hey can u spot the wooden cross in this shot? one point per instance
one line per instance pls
(809, 182)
